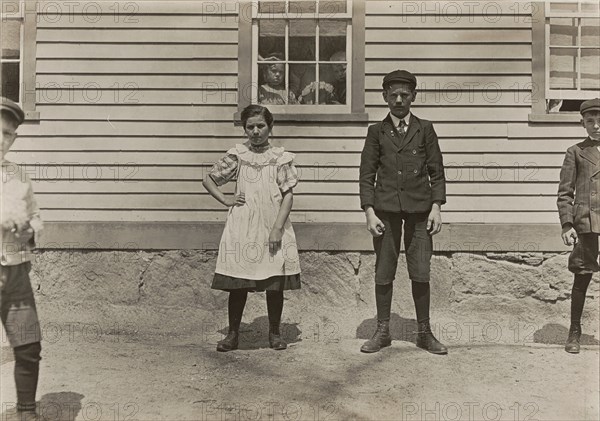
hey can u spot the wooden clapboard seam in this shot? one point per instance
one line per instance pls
(67, 73)
(442, 43)
(119, 59)
(150, 42)
(202, 192)
(458, 59)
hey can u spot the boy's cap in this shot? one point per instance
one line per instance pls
(399, 76)
(13, 108)
(590, 105)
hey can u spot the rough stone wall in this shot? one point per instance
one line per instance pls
(337, 288)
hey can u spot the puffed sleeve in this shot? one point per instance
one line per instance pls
(224, 170)
(287, 174)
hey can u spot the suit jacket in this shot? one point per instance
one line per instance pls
(579, 189)
(402, 174)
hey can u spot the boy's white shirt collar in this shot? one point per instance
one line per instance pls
(396, 120)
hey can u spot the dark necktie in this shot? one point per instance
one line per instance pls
(402, 128)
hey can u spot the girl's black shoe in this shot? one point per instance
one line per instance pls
(229, 343)
(275, 340)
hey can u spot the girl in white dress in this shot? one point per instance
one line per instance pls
(258, 250)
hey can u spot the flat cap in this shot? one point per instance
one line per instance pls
(13, 108)
(399, 76)
(590, 105)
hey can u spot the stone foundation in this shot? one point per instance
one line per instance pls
(517, 291)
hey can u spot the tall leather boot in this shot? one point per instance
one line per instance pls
(572, 345)
(381, 338)
(427, 341)
(275, 340)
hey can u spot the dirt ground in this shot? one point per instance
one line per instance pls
(140, 363)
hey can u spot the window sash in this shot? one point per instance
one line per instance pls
(549, 13)
(20, 19)
(308, 15)
(303, 108)
(576, 93)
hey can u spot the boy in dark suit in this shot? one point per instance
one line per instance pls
(579, 210)
(402, 186)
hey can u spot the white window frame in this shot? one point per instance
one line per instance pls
(27, 15)
(17, 18)
(578, 93)
(303, 108)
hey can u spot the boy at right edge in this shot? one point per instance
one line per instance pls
(579, 210)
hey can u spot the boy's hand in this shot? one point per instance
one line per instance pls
(237, 200)
(23, 235)
(569, 232)
(275, 240)
(434, 220)
(374, 225)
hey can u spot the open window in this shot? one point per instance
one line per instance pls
(566, 58)
(18, 40)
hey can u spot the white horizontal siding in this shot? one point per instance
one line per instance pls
(136, 106)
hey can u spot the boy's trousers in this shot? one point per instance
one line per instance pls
(584, 256)
(418, 246)
(17, 306)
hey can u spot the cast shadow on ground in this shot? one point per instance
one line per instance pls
(256, 334)
(401, 329)
(61, 406)
(555, 334)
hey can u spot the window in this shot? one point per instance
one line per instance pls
(18, 36)
(304, 59)
(566, 57)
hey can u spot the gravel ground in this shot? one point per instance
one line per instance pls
(164, 366)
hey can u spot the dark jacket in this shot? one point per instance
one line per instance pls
(402, 175)
(579, 189)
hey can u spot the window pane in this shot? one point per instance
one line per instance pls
(332, 7)
(332, 38)
(271, 38)
(563, 7)
(10, 81)
(302, 82)
(299, 8)
(272, 89)
(563, 31)
(590, 32)
(11, 39)
(303, 39)
(591, 7)
(271, 6)
(561, 105)
(563, 70)
(334, 76)
(590, 68)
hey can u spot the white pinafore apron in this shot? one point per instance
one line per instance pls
(244, 248)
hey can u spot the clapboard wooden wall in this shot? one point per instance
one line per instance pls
(136, 104)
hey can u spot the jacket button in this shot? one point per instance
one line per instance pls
(399, 172)
(414, 151)
(415, 171)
